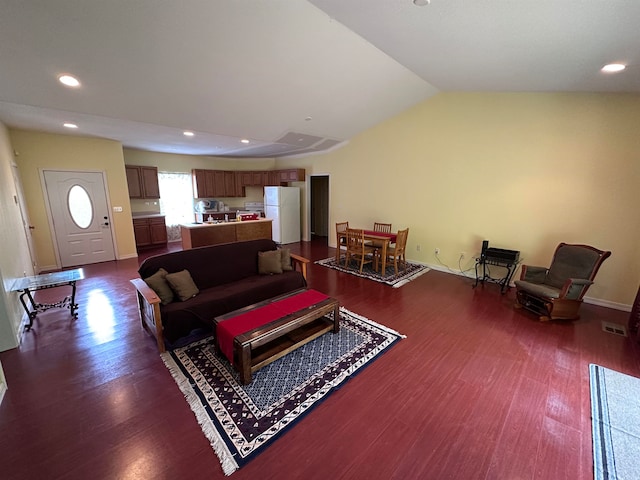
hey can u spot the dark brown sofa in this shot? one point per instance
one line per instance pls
(227, 277)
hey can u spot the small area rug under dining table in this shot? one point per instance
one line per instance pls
(389, 277)
(241, 420)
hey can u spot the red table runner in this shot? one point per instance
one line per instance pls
(392, 236)
(228, 329)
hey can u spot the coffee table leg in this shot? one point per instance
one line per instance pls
(245, 364)
(336, 319)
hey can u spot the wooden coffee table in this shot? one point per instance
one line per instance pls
(259, 334)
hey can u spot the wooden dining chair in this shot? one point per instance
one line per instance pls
(383, 228)
(356, 248)
(395, 254)
(341, 237)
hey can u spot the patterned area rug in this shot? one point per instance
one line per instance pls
(240, 421)
(615, 419)
(413, 270)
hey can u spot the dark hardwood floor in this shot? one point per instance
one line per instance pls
(477, 390)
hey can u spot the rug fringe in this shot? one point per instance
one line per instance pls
(227, 461)
(378, 325)
(412, 277)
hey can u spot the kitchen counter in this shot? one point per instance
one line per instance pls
(146, 215)
(214, 224)
(203, 234)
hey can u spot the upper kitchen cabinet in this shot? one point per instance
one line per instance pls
(230, 186)
(221, 183)
(142, 181)
(215, 183)
(199, 178)
(292, 175)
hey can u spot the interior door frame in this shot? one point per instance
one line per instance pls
(47, 206)
(307, 230)
(26, 221)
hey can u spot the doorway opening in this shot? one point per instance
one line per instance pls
(319, 207)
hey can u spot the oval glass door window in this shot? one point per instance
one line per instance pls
(80, 207)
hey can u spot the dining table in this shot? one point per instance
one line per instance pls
(384, 238)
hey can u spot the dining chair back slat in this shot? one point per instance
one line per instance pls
(383, 228)
(396, 254)
(341, 237)
(358, 249)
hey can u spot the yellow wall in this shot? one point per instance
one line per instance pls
(525, 171)
(37, 151)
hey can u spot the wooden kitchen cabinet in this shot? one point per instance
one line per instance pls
(221, 183)
(273, 178)
(199, 179)
(252, 179)
(216, 183)
(219, 189)
(292, 175)
(150, 231)
(202, 235)
(142, 181)
(230, 184)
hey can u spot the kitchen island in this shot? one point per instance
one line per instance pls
(203, 234)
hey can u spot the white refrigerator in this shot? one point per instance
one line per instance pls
(282, 205)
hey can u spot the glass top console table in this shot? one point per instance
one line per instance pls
(28, 285)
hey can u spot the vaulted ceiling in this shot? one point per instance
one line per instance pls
(290, 76)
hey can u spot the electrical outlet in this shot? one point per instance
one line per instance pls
(462, 255)
(437, 251)
(418, 247)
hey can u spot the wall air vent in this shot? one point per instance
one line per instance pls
(614, 328)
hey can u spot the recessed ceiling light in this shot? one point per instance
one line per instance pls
(421, 3)
(69, 81)
(613, 68)
(244, 140)
(70, 125)
(187, 133)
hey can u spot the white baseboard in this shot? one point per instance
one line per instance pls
(606, 303)
(128, 256)
(593, 301)
(441, 268)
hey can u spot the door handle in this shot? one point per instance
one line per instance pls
(31, 227)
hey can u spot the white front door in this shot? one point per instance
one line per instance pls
(80, 216)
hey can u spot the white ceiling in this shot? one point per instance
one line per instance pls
(292, 76)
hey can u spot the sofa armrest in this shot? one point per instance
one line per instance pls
(298, 261)
(149, 309)
(575, 288)
(533, 274)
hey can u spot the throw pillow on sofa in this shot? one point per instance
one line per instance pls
(182, 284)
(285, 258)
(269, 262)
(158, 283)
